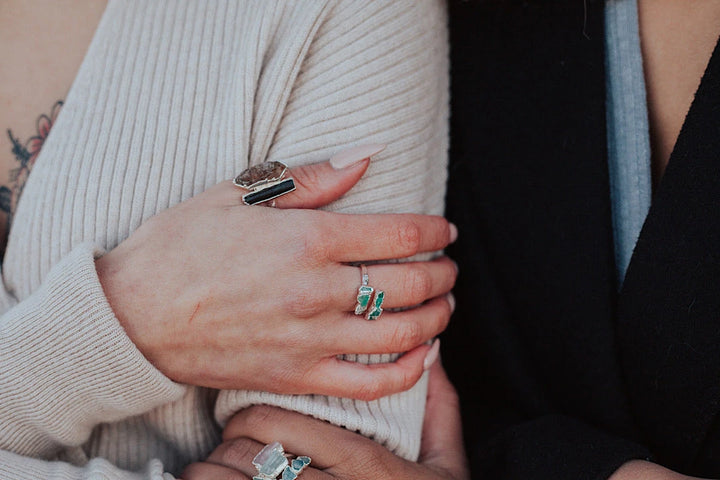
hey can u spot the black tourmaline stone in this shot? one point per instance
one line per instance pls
(270, 192)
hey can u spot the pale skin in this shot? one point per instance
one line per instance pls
(283, 329)
(338, 453)
(225, 327)
(677, 40)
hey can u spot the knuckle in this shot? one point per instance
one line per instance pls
(316, 244)
(375, 465)
(252, 419)
(408, 335)
(304, 301)
(409, 377)
(442, 319)
(409, 237)
(238, 452)
(443, 233)
(418, 283)
(371, 390)
(307, 178)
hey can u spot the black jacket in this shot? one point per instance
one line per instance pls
(561, 376)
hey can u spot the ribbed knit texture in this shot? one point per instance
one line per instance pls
(628, 129)
(173, 97)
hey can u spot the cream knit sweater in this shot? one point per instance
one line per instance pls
(173, 97)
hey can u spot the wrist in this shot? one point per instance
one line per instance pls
(111, 271)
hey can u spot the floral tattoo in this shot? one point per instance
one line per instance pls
(25, 154)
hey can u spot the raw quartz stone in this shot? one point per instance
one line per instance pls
(260, 174)
(271, 460)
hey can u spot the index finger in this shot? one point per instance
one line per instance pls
(328, 445)
(357, 238)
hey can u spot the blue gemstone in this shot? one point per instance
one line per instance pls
(297, 464)
(288, 474)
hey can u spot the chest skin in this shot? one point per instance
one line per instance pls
(42, 44)
(677, 39)
(539, 301)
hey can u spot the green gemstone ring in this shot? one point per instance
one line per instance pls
(371, 309)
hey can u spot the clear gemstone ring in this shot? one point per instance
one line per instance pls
(272, 461)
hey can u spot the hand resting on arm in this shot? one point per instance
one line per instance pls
(337, 453)
(216, 293)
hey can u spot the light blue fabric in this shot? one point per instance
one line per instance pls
(628, 134)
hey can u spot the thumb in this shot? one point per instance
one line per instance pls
(442, 444)
(321, 183)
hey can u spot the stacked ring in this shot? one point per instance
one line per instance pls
(271, 461)
(265, 182)
(365, 293)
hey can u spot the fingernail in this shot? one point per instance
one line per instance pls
(432, 354)
(351, 156)
(453, 232)
(451, 301)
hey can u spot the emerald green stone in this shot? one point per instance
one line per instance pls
(363, 299)
(379, 297)
(376, 308)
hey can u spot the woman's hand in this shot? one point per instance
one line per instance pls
(337, 453)
(220, 294)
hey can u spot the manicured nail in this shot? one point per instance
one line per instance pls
(451, 301)
(351, 156)
(432, 354)
(453, 233)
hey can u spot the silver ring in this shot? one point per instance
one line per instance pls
(271, 461)
(364, 305)
(265, 182)
(364, 293)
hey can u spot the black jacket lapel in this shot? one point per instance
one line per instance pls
(670, 302)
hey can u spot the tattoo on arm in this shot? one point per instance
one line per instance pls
(25, 154)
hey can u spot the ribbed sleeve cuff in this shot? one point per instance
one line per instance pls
(66, 363)
(394, 421)
(554, 447)
(16, 467)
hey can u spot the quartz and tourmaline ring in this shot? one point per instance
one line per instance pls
(272, 461)
(371, 309)
(265, 182)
